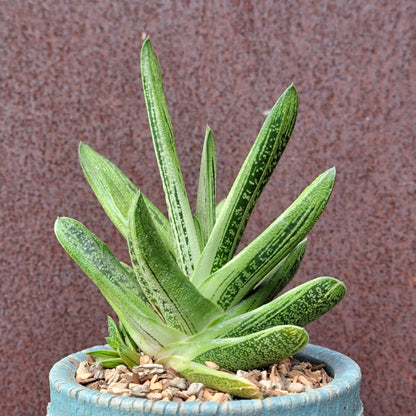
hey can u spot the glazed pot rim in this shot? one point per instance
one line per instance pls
(345, 372)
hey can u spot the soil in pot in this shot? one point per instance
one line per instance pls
(152, 381)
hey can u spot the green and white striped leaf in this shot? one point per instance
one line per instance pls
(114, 338)
(270, 286)
(113, 330)
(129, 356)
(134, 285)
(108, 358)
(128, 341)
(230, 284)
(219, 208)
(104, 354)
(255, 350)
(180, 216)
(109, 362)
(219, 380)
(115, 192)
(199, 231)
(97, 261)
(164, 284)
(299, 306)
(250, 182)
(112, 342)
(206, 196)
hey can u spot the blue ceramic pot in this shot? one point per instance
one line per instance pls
(340, 397)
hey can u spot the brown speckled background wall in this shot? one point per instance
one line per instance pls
(69, 72)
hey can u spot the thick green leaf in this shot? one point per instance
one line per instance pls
(128, 341)
(115, 192)
(250, 182)
(270, 286)
(199, 231)
(129, 356)
(228, 285)
(186, 239)
(299, 306)
(219, 208)
(112, 342)
(133, 284)
(104, 354)
(219, 380)
(113, 330)
(206, 197)
(110, 362)
(254, 350)
(97, 261)
(115, 338)
(166, 287)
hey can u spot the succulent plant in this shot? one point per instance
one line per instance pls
(187, 297)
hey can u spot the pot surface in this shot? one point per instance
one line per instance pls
(341, 397)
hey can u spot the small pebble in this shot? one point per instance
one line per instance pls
(118, 388)
(140, 391)
(302, 379)
(156, 386)
(95, 385)
(116, 375)
(155, 396)
(167, 394)
(212, 365)
(145, 359)
(266, 386)
(83, 373)
(181, 394)
(177, 399)
(194, 389)
(126, 378)
(296, 388)
(220, 397)
(97, 370)
(180, 383)
(191, 399)
(277, 384)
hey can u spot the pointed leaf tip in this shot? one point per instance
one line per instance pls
(292, 87)
(291, 90)
(331, 174)
(147, 46)
(83, 148)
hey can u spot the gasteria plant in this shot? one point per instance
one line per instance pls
(187, 298)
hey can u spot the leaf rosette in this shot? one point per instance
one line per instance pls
(187, 297)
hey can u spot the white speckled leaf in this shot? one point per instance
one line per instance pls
(177, 299)
(255, 350)
(206, 197)
(219, 380)
(115, 192)
(300, 306)
(250, 182)
(180, 216)
(230, 284)
(97, 261)
(270, 286)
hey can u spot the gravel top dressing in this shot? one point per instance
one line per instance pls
(152, 381)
